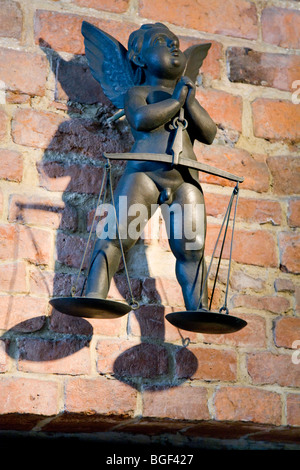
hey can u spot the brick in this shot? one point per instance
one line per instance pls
(225, 109)
(21, 242)
(294, 213)
(117, 6)
(262, 68)
(293, 409)
(67, 324)
(269, 368)
(15, 97)
(74, 82)
(286, 331)
(13, 277)
(284, 285)
(4, 361)
(1, 203)
(3, 125)
(148, 321)
(248, 404)
(187, 403)
(235, 18)
(10, 19)
(119, 289)
(62, 32)
(129, 359)
(163, 290)
(11, 165)
(35, 128)
(276, 119)
(254, 247)
(25, 395)
(23, 71)
(285, 171)
(274, 304)
(236, 161)
(212, 364)
(42, 211)
(241, 281)
(99, 396)
(280, 26)
(248, 210)
(253, 335)
(289, 252)
(89, 138)
(70, 250)
(65, 356)
(22, 314)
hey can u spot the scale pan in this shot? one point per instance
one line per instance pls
(88, 307)
(206, 321)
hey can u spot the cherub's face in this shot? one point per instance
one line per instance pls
(161, 54)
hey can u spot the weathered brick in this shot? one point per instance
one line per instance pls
(13, 277)
(285, 171)
(26, 395)
(269, 368)
(21, 242)
(3, 124)
(57, 176)
(233, 18)
(262, 68)
(284, 285)
(10, 19)
(294, 213)
(188, 403)
(212, 364)
(118, 6)
(293, 409)
(63, 31)
(131, 359)
(67, 324)
(280, 26)
(241, 281)
(225, 109)
(75, 82)
(23, 313)
(255, 247)
(4, 360)
(236, 161)
(23, 71)
(11, 165)
(253, 335)
(276, 119)
(286, 331)
(1, 203)
(274, 304)
(248, 210)
(100, 396)
(35, 128)
(248, 404)
(148, 321)
(162, 290)
(41, 211)
(289, 252)
(65, 356)
(70, 250)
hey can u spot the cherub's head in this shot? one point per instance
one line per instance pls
(154, 50)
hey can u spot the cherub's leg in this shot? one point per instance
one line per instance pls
(133, 188)
(187, 230)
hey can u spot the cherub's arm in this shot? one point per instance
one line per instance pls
(143, 116)
(204, 128)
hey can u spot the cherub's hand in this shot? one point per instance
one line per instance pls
(181, 91)
(191, 91)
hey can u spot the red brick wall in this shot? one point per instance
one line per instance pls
(83, 375)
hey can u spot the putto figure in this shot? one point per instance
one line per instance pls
(154, 82)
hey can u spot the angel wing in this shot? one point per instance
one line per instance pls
(195, 56)
(107, 59)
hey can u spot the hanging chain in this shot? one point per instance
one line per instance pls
(133, 303)
(74, 286)
(225, 219)
(236, 193)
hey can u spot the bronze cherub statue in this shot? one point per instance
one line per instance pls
(154, 83)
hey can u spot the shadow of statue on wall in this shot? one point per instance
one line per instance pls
(73, 164)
